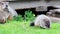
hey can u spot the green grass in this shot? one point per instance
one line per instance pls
(14, 27)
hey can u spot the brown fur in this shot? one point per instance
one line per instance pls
(4, 16)
(10, 17)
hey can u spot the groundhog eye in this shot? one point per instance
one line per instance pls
(1, 3)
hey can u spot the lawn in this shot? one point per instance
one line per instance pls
(17, 27)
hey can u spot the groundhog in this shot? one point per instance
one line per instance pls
(4, 14)
(42, 21)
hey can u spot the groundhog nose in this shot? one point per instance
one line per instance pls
(48, 26)
(6, 5)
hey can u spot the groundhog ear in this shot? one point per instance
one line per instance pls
(0, 3)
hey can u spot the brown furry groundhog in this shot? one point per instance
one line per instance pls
(4, 15)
